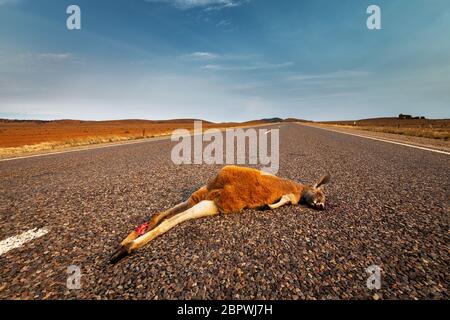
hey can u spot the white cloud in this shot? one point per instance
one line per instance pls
(205, 56)
(331, 75)
(205, 4)
(54, 56)
(200, 55)
(31, 60)
(223, 23)
(259, 66)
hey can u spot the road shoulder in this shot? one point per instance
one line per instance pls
(434, 144)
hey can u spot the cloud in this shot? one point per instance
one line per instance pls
(53, 56)
(331, 75)
(200, 55)
(205, 4)
(223, 23)
(34, 59)
(45, 57)
(259, 66)
(203, 56)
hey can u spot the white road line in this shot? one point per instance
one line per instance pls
(269, 131)
(88, 148)
(120, 144)
(383, 140)
(19, 240)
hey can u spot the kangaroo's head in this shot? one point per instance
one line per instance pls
(313, 195)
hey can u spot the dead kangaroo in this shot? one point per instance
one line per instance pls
(231, 191)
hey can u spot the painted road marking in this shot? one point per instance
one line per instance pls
(269, 131)
(383, 140)
(119, 144)
(88, 148)
(19, 240)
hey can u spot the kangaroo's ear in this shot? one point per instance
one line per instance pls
(325, 179)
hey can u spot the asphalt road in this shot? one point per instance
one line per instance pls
(388, 205)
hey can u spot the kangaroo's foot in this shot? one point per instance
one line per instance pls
(119, 254)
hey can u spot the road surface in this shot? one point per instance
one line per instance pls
(388, 205)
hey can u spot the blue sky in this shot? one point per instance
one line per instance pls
(224, 60)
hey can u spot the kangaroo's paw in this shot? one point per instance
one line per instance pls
(120, 253)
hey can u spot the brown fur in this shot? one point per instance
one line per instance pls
(237, 188)
(232, 190)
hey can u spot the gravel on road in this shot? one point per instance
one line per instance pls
(388, 206)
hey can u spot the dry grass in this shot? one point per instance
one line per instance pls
(28, 137)
(425, 128)
(21, 133)
(414, 132)
(57, 145)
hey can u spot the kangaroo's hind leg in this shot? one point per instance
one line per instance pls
(202, 209)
